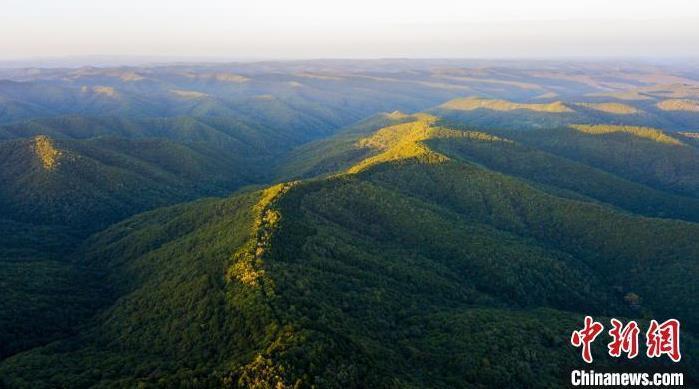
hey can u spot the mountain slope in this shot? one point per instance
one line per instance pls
(91, 147)
(594, 173)
(569, 178)
(93, 183)
(44, 294)
(55, 192)
(670, 165)
(411, 268)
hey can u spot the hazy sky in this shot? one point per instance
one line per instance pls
(351, 28)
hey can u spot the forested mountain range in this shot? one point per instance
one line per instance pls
(354, 223)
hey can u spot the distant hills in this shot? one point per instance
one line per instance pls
(493, 113)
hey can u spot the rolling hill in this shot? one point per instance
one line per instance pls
(89, 184)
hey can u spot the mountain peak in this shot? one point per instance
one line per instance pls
(407, 141)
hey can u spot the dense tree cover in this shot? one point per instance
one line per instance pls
(168, 270)
(428, 256)
(135, 139)
(668, 167)
(613, 165)
(89, 148)
(418, 268)
(592, 233)
(44, 295)
(569, 178)
(336, 153)
(93, 183)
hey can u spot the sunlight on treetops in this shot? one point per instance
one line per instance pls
(406, 141)
(46, 152)
(474, 103)
(679, 105)
(247, 260)
(641, 132)
(616, 108)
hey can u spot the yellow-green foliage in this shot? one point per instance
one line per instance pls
(679, 105)
(391, 136)
(247, 265)
(46, 152)
(641, 132)
(616, 108)
(474, 103)
(398, 142)
(243, 269)
(406, 141)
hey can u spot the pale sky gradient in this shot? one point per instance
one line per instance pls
(285, 29)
